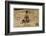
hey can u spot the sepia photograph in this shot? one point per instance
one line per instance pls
(25, 17)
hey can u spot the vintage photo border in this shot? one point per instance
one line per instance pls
(17, 29)
(7, 17)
